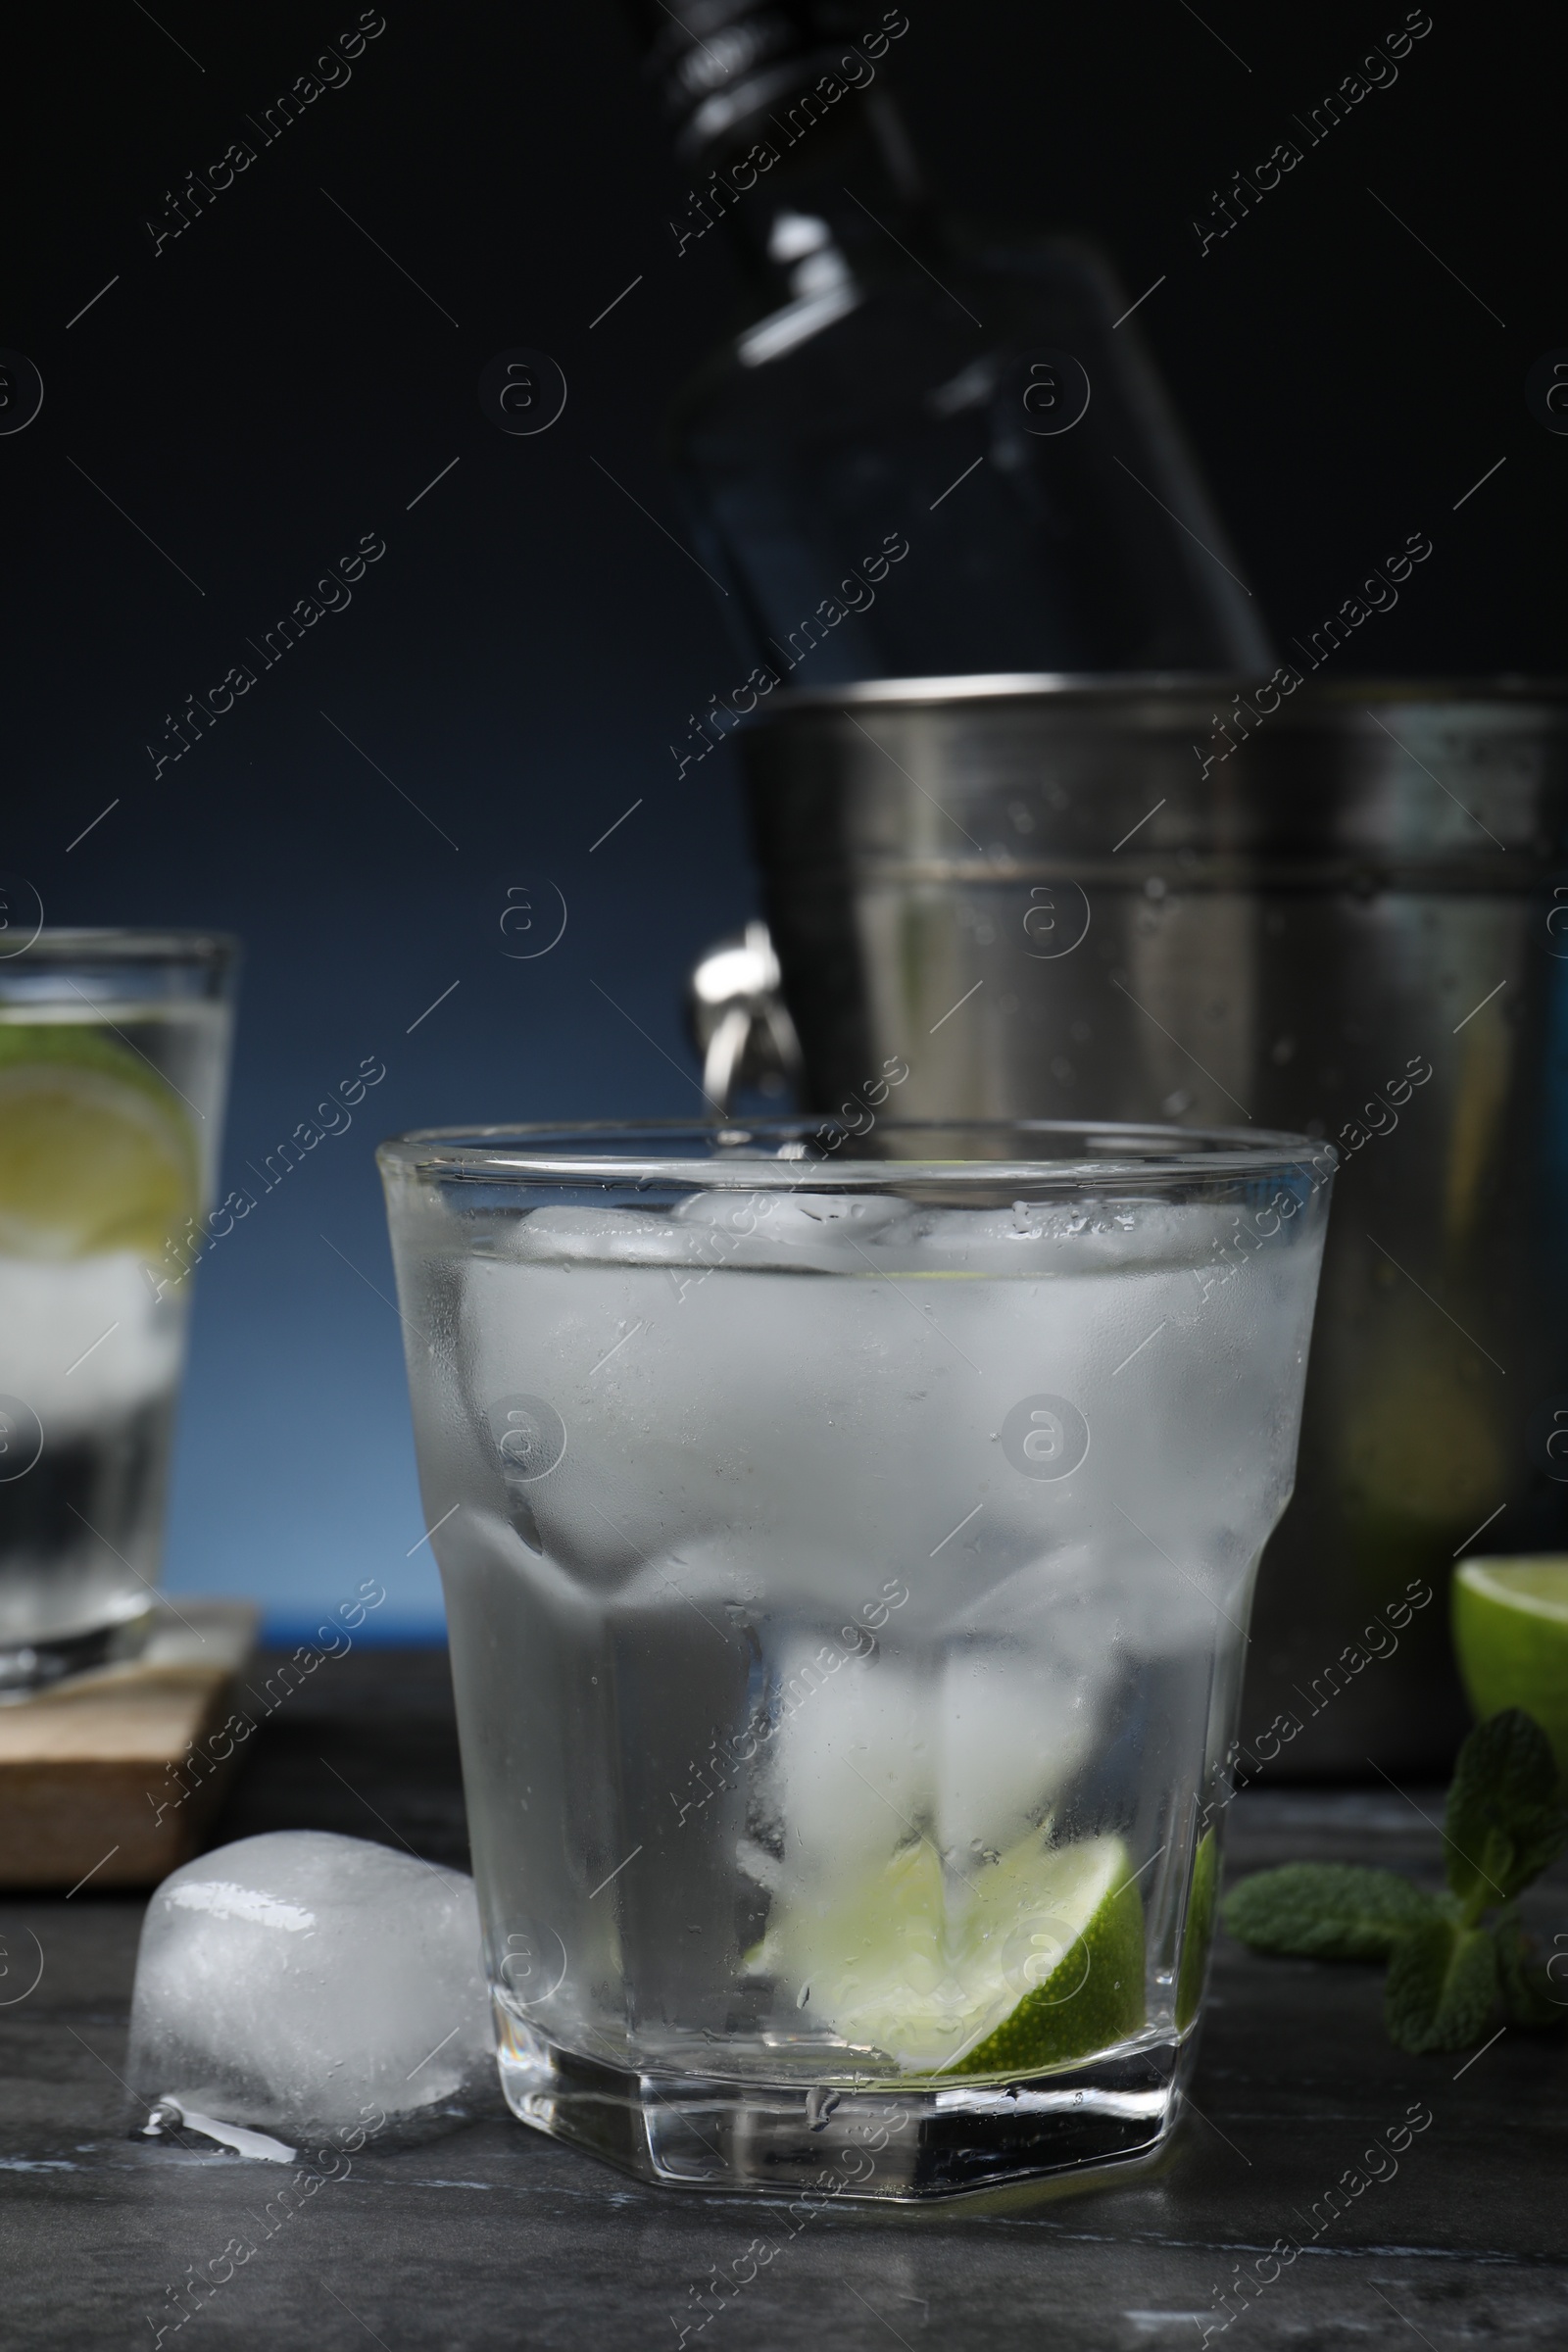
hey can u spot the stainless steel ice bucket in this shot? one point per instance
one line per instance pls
(1335, 908)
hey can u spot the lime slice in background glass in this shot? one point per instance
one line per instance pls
(96, 1150)
(1024, 1964)
(1510, 1630)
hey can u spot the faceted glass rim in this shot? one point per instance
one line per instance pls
(753, 1154)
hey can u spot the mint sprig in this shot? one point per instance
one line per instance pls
(1442, 1988)
(1505, 1822)
(1451, 1967)
(1328, 1911)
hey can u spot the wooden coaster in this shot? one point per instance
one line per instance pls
(112, 1776)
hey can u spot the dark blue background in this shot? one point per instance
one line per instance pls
(269, 387)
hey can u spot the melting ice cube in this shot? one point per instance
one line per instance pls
(301, 1982)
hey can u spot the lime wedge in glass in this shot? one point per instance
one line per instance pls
(1199, 1932)
(96, 1150)
(1510, 1628)
(1014, 1967)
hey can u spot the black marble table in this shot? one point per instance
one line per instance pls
(495, 2236)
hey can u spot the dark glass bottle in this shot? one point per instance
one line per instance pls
(914, 458)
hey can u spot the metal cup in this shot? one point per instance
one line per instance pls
(1331, 908)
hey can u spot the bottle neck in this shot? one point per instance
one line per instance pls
(814, 198)
(795, 142)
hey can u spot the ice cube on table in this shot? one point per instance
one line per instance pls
(302, 1984)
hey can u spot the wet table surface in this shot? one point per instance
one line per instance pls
(495, 2235)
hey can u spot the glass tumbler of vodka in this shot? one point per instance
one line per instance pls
(848, 1543)
(113, 1054)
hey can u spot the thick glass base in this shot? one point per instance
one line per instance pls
(876, 2142)
(29, 1666)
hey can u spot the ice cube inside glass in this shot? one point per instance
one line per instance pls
(113, 1052)
(848, 1546)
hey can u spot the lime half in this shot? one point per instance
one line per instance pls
(1024, 1964)
(96, 1151)
(1510, 1628)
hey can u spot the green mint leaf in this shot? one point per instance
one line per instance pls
(1504, 1822)
(1327, 1911)
(1529, 1996)
(1442, 1989)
